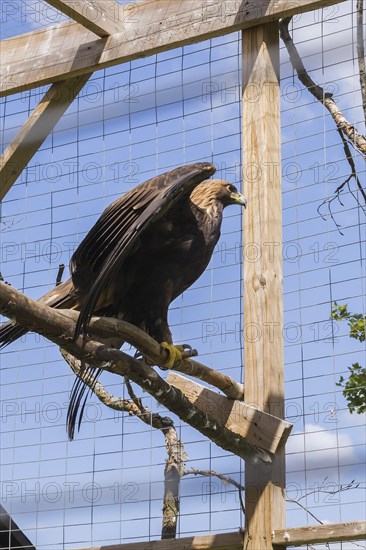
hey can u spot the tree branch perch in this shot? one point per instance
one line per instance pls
(59, 328)
(109, 327)
(177, 457)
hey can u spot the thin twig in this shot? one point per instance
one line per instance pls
(353, 174)
(322, 489)
(351, 162)
(134, 398)
(341, 489)
(226, 479)
(177, 457)
(304, 508)
(347, 132)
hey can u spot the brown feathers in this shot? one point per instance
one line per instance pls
(146, 248)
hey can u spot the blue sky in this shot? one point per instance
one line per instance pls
(152, 117)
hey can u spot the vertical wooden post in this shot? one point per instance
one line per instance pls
(263, 299)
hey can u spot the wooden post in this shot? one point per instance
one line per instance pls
(263, 316)
(35, 130)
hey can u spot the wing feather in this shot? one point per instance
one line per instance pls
(101, 254)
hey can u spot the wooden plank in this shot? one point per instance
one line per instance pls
(150, 26)
(311, 534)
(258, 428)
(294, 536)
(102, 17)
(263, 294)
(35, 130)
(222, 541)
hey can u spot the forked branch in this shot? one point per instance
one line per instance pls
(108, 327)
(60, 329)
(350, 131)
(175, 463)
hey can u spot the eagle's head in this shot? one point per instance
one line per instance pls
(211, 192)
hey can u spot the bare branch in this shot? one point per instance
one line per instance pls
(351, 162)
(338, 191)
(322, 489)
(349, 130)
(108, 327)
(304, 508)
(60, 329)
(361, 54)
(174, 467)
(177, 457)
(225, 479)
(173, 472)
(116, 403)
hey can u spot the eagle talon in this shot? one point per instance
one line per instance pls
(188, 351)
(177, 354)
(139, 356)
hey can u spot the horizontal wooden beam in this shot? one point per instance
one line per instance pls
(258, 428)
(295, 536)
(149, 26)
(222, 541)
(312, 534)
(102, 17)
(36, 129)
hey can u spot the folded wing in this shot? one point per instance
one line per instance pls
(100, 256)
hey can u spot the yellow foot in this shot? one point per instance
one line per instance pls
(175, 354)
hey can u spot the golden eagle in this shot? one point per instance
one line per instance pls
(146, 248)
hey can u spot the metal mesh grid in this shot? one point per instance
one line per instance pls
(129, 123)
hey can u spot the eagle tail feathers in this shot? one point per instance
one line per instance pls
(9, 332)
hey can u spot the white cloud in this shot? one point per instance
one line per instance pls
(319, 448)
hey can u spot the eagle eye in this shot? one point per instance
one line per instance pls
(232, 188)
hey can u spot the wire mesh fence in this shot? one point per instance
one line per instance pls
(132, 122)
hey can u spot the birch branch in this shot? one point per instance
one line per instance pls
(60, 329)
(105, 397)
(361, 54)
(177, 457)
(174, 466)
(108, 327)
(349, 130)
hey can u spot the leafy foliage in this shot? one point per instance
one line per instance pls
(354, 389)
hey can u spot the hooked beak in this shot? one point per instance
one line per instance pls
(238, 198)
